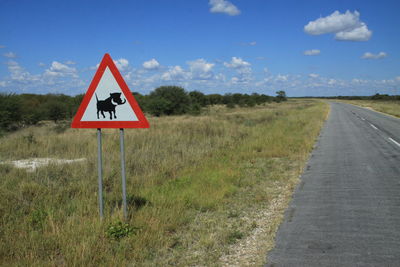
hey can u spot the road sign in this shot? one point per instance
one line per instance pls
(108, 102)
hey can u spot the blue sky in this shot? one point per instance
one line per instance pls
(307, 48)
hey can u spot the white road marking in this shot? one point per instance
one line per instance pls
(394, 141)
(373, 126)
(362, 118)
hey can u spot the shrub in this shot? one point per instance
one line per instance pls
(169, 100)
(10, 111)
(119, 230)
(56, 111)
(280, 96)
(199, 98)
(195, 109)
(230, 105)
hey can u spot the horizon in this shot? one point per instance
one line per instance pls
(314, 49)
(231, 93)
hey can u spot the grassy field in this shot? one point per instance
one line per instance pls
(198, 187)
(389, 107)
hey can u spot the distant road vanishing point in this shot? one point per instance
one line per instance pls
(346, 209)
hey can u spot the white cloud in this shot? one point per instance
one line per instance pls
(242, 68)
(2, 46)
(18, 73)
(152, 64)
(312, 52)
(57, 78)
(360, 34)
(333, 23)
(70, 62)
(122, 64)
(332, 81)
(282, 78)
(237, 63)
(347, 26)
(10, 55)
(174, 73)
(223, 6)
(235, 75)
(369, 55)
(41, 64)
(200, 69)
(58, 69)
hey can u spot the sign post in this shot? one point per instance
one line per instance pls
(108, 103)
(100, 173)
(122, 148)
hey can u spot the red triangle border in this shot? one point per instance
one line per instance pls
(142, 121)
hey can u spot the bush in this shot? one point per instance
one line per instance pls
(215, 99)
(230, 105)
(119, 230)
(158, 106)
(195, 109)
(280, 96)
(198, 98)
(169, 100)
(56, 111)
(10, 111)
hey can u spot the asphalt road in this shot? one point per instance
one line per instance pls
(346, 209)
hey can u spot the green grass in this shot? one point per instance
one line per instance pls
(195, 185)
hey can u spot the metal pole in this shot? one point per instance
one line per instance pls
(100, 172)
(121, 137)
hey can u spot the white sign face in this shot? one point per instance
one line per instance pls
(108, 103)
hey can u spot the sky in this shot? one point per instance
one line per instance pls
(304, 47)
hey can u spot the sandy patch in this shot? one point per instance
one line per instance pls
(32, 164)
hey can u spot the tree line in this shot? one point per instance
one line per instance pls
(174, 100)
(377, 97)
(19, 110)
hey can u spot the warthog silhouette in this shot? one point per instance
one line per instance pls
(109, 105)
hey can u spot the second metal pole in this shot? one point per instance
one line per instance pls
(100, 172)
(121, 137)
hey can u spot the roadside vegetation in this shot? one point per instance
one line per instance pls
(19, 111)
(389, 104)
(377, 96)
(197, 187)
(391, 107)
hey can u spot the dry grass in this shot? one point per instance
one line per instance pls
(196, 188)
(388, 107)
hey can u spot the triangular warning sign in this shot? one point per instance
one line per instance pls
(108, 103)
